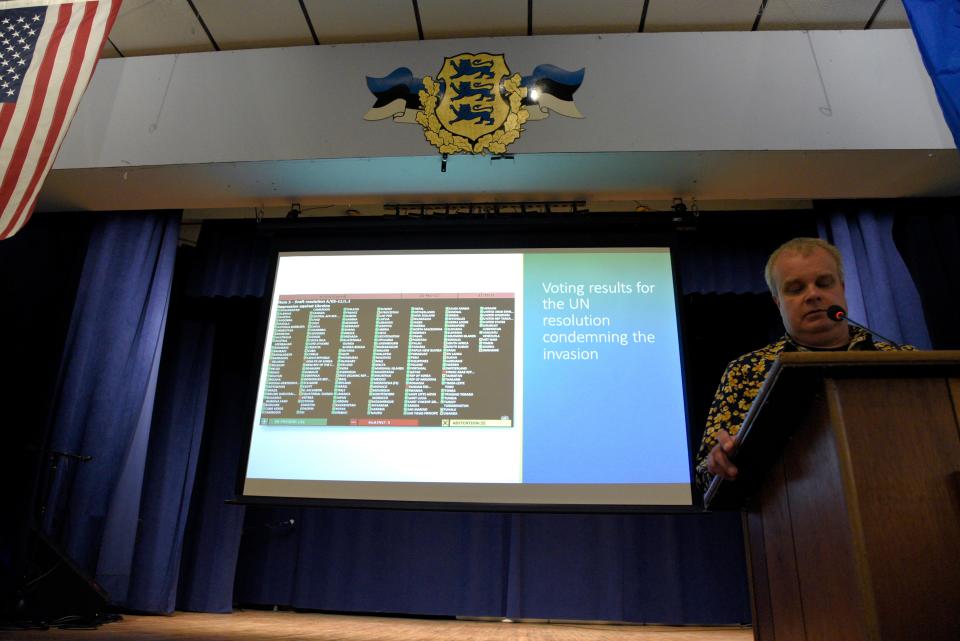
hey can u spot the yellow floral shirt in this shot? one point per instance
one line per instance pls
(741, 382)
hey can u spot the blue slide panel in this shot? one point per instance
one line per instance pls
(603, 390)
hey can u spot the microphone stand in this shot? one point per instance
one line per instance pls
(843, 316)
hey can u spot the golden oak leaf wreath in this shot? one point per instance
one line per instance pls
(496, 141)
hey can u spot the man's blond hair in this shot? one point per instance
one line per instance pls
(804, 247)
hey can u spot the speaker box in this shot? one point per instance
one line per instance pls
(55, 587)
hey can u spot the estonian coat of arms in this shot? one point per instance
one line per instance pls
(475, 104)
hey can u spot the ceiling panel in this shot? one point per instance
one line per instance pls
(248, 24)
(337, 21)
(470, 19)
(817, 14)
(576, 16)
(892, 16)
(701, 15)
(147, 27)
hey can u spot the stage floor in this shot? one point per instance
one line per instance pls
(264, 626)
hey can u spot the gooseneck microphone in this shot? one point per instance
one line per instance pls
(837, 313)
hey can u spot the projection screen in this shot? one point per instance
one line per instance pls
(501, 377)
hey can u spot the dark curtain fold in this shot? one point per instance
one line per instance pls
(651, 568)
(927, 234)
(41, 267)
(433, 563)
(214, 527)
(706, 268)
(171, 464)
(727, 253)
(880, 291)
(107, 383)
(936, 26)
(232, 259)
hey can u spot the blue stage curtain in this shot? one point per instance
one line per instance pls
(723, 269)
(171, 465)
(105, 398)
(649, 568)
(727, 253)
(936, 26)
(41, 268)
(214, 527)
(928, 237)
(880, 291)
(232, 259)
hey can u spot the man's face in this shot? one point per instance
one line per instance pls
(806, 287)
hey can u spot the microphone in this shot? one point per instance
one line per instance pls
(837, 313)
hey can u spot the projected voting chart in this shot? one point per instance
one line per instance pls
(399, 360)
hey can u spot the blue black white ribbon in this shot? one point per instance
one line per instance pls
(395, 93)
(554, 89)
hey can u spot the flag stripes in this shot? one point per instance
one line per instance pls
(33, 127)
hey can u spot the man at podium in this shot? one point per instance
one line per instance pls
(805, 277)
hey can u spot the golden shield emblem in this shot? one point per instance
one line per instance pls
(473, 106)
(471, 103)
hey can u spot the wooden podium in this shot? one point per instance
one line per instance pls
(850, 488)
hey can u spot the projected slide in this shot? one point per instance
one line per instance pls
(526, 377)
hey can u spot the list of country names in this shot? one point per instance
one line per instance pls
(404, 360)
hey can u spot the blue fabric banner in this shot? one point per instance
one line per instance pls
(936, 25)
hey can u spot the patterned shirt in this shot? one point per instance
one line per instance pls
(741, 383)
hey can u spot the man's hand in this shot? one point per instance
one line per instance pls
(718, 461)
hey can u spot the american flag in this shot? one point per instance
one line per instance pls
(48, 50)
